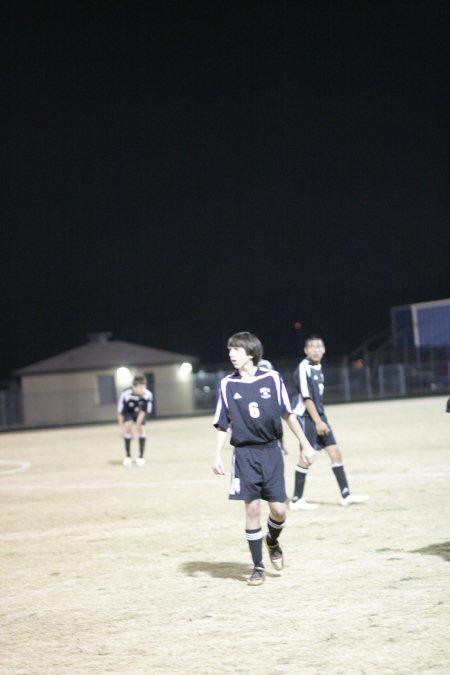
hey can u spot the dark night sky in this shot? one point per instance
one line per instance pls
(176, 171)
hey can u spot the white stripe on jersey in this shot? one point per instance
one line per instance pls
(218, 410)
(281, 395)
(286, 400)
(223, 386)
(304, 372)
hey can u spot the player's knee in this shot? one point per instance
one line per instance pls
(253, 509)
(278, 511)
(335, 454)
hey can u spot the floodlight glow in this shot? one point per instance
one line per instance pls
(185, 369)
(123, 376)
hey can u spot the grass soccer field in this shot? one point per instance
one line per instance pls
(107, 569)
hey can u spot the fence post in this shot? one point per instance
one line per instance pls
(381, 381)
(346, 384)
(368, 376)
(401, 378)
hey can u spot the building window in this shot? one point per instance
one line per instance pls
(106, 389)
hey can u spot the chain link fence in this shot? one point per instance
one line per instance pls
(343, 384)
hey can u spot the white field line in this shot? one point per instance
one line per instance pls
(18, 467)
(401, 477)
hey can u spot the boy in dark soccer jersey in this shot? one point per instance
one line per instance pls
(311, 413)
(251, 404)
(134, 405)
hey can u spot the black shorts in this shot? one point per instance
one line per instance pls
(318, 441)
(130, 416)
(257, 472)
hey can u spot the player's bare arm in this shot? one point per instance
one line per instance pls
(222, 437)
(307, 452)
(120, 422)
(141, 417)
(321, 426)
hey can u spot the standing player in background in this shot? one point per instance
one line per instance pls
(251, 404)
(309, 408)
(134, 405)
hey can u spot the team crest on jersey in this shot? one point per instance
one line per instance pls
(265, 392)
(237, 395)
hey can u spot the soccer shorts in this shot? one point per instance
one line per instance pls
(257, 472)
(133, 416)
(318, 441)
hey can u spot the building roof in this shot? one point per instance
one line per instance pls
(100, 352)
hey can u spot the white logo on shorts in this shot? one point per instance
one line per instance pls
(235, 486)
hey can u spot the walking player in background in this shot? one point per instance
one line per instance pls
(309, 408)
(135, 403)
(251, 404)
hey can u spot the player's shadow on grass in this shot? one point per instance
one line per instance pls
(218, 570)
(442, 550)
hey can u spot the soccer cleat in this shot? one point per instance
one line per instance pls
(301, 505)
(275, 555)
(256, 578)
(127, 461)
(353, 499)
(140, 461)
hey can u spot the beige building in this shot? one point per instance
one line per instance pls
(82, 385)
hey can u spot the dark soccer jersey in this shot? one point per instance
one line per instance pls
(309, 380)
(132, 403)
(252, 407)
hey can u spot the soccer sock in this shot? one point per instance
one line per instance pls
(300, 477)
(127, 439)
(341, 478)
(274, 530)
(254, 538)
(142, 440)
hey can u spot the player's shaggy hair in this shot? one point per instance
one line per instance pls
(250, 343)
(139, 379)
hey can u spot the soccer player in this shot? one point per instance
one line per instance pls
(311, 413)
(251, 404)
(135, 403)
